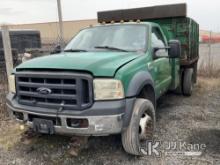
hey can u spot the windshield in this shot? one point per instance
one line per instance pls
(110, 38)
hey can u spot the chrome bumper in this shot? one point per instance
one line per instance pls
(97, 125)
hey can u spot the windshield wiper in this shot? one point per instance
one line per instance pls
(75, 50)
(110, 48)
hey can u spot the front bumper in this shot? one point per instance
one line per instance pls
(104, 118)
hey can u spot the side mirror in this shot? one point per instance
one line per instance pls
(175, 49)
(157, 54)
(155, 50)
(57, 49)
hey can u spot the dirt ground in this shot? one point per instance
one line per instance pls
(193, 120)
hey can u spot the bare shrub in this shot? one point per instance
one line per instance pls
(3, 92)
(210, 71)
(209, 62)
(207, 83)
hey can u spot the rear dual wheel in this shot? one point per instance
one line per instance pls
(188, 82)
(141, 127)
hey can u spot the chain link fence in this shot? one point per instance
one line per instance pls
(209, 62)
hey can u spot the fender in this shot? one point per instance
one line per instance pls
(136, 84)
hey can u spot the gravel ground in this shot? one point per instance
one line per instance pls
(193, 120)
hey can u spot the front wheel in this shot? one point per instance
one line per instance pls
(141, 127)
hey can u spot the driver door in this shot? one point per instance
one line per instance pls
(161, 64)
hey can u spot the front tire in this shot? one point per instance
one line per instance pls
(141, 127)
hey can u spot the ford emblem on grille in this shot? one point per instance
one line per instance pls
(44, 91)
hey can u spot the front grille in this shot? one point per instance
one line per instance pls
(60, 91)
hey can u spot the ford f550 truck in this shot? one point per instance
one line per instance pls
(109, 77)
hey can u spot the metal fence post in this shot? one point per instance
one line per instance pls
(209, 53)
(7, 50)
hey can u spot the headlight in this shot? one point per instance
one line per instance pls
(108, 89)
(12, 84)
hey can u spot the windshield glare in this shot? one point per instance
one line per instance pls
(126, 37)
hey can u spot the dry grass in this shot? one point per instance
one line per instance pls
(208, 70)
(3, 110)
(10, 134)
(3, 92)
(205, 83)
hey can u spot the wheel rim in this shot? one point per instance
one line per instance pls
(145, 127)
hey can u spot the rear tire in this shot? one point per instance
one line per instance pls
(188, 82)
(195, 70)
(179, 89)
(143, 112)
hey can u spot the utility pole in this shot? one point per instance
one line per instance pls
(61, 36)
(7, 50)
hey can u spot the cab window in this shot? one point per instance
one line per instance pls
(158, 41)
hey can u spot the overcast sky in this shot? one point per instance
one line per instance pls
(205, 12)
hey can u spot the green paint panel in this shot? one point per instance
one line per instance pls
(103, 64)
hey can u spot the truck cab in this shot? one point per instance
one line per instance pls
(106, 81)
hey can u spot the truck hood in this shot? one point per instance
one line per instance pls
(98, 63)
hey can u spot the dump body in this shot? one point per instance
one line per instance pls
(173, 21)
(186, 30)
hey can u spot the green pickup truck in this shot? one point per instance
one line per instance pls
(109, 77)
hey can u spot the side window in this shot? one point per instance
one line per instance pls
(158, 41)
(157, 38)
